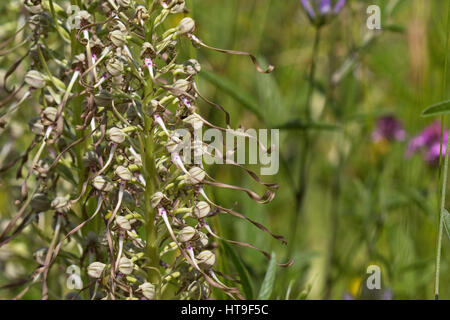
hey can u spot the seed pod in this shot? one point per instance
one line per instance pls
(123, 223)
(95, 269)
(35, 79)
(100, 183)
(116, 135)
(206, 259)
(125, 266)
(192, 67)
(39, 256)
(118, 38)
(49, 116)
(123, 173)
(196, 175)
(186, 26)
(114, 67)
(148, 290)
(40, 202)
(201, 209)
(60, 204)
(187, 234)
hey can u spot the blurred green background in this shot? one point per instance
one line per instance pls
(365, 203)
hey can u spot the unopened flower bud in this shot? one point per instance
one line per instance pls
(194, 120)
(148, 290)
(159, 198)
(95, 269)
(123, 173)
(40, 202)
(49, 116)
(35, 79)
(186, 26)
(34, 7)
(187, 234)
(37, 127)
(196, 175)
(60, 204)
(125, 266)
(39, 256)
(173, 145)
(181, 86)
(118, 38)
(201, 209)
(124, 3)
(84, 17)
(103, 98)
(114, 67)
(192, 67)
(147, 50)
(123, 223)
(100, 183)
(206, 259)
(202, 240)
(116, 135)
(90, 158)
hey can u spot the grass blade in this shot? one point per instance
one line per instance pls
(269, 280)
(244, 275)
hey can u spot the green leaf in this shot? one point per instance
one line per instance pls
(437, 109)
(303, 125)
(447, 222)
(244, 275)
(304, 294)
(269, 280)
(233, 91)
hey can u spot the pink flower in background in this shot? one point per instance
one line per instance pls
(390, 129)
(428, 142)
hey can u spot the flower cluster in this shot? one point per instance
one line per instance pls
(110, 164)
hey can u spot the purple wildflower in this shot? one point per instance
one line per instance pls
(429, 143)
(319, 10)
(388, 128)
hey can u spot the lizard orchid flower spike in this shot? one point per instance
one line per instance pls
(109, 134)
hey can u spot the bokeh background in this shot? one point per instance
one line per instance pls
(365, 202)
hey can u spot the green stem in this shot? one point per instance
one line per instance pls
(303, 177)
(441, 222)
(147, 150)
(444, 177)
